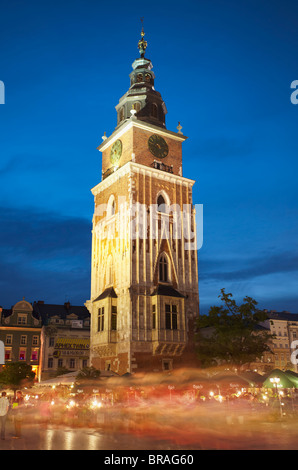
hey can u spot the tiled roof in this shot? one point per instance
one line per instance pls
(46, 311)
(109, 292)
(285, 316)
(168, 291)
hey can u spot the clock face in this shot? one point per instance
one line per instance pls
(116, 152)
(158, 146)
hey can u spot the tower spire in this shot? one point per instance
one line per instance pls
(142, 44)
(142, 101)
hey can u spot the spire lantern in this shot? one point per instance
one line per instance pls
(142, 99)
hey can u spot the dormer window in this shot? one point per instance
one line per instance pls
(22, 319)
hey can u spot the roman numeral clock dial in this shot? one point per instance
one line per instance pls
(158, 146)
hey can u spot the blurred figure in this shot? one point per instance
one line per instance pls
(4, 407)
(17, 407)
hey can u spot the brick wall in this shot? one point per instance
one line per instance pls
(135, 141)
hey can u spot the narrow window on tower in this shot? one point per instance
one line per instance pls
(174, 317)
(163, 269)
(161, 204)
(100, 323)
(168, 317)
(121, 114)
(154, 110)
(137, 106)
(111, 206)
(171, 317)
(153, 317)
(114, 318)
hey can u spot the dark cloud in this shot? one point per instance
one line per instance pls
(26, 162)
(43, 255)
(250, 268)
(270, 277)
(36, 233)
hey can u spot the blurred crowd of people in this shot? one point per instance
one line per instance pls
(166, 413)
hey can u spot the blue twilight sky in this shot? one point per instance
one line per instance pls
(224, 69)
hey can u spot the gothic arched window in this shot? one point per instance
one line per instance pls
(163, 202)
(111, 206)
(160, 202)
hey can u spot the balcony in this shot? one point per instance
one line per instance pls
(161, 166)
(109, 172)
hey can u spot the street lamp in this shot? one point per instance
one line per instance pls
(171, 387)
(275, 381)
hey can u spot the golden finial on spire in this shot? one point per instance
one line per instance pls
(142, 44)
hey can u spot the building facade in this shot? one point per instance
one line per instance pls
(20, 331)
(48, 337)
(284, 328)
(144, 273)
(65, 337)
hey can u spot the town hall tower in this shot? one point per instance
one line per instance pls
(144, 273)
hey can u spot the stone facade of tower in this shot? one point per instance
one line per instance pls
(144, 273)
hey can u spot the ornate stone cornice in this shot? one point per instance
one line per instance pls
(134, 122)
(135, 168)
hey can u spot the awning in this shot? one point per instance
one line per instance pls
(285, 380)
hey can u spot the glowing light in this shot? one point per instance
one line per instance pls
(96, 404)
